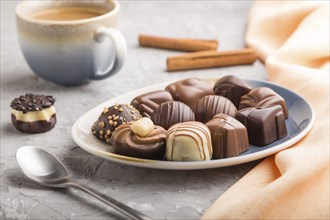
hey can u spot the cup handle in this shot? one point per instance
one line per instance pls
(119, 44)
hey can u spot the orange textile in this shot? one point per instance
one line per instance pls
(292, 38)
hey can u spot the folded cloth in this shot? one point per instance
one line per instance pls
(292, 38)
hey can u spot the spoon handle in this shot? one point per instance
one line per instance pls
(121, 207)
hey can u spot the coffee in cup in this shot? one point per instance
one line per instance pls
(67, 14)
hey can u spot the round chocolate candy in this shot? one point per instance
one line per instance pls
(111, 118)
(150, 146)
(172, 112)
(33, 113)
(212, 105)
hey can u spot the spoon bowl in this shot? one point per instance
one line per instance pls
(42, 167)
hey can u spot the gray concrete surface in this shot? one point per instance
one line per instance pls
(160, 194)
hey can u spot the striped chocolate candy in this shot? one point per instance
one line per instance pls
(188, 141)
(212, 105)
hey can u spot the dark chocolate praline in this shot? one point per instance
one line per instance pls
(32, 113)
(111, 117)
(264, 124)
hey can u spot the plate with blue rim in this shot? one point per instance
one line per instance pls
(299, 123)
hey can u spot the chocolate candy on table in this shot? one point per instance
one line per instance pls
(172, 112)
(190, 91)
(261, 97)
(229, 136)
(148, 102)
(111, 118)
(188, 141)
(211, 105)
(138, 140)
(264, 124)
(33, 113)
(231, 87)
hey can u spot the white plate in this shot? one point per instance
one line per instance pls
(299, 123)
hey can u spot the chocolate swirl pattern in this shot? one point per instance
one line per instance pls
(172, 112)
(151, 146)
(211, 105)
(188, 141)
(263, 97)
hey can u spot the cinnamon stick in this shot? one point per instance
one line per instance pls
(209, 59)
(180, 44)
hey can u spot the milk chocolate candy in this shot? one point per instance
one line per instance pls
(229, 136)
(111, 117)
(264, 124)
(149, 146)
(190, 91)
(172, 112)
(148, 102)
(188, 141)
(33, 113)
(261, 97)
(211, 105)
(231, 87)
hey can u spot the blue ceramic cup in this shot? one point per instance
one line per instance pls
(71, 52)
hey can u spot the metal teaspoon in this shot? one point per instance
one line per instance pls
(45, 169)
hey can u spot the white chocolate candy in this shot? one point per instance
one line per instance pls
(142, 127)
(31, 116)
(188, 141)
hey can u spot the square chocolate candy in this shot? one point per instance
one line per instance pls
(264, 124)
(229, 136)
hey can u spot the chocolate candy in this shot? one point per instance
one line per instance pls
(189, 91)
(211, 105)
(229, 136)
(147, 103)
(261, 97)
(111, 118)
(33, 113)
(172, 112)
(264, 124)
(31, 102)
(188, 141)
(232, 88)
(150, 146)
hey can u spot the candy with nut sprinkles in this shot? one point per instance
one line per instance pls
(111, 117)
